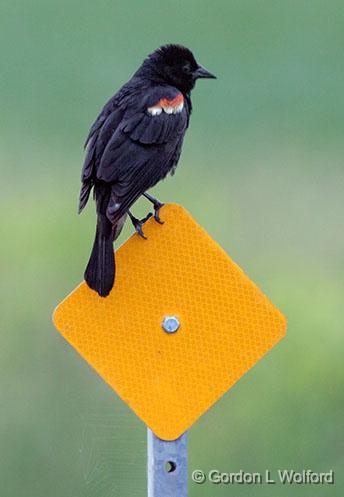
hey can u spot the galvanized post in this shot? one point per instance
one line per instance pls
(167, 466)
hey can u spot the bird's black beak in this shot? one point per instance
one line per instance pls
(201, 72)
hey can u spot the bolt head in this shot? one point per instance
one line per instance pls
(170, 324)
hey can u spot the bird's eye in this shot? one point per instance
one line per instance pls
(186, 68)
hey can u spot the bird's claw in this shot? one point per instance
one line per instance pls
(138, 223)
(157, 206)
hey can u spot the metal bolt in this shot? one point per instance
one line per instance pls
(170, 324)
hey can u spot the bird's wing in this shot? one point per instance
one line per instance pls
(157, 118)
(98, 137)
(142, 149)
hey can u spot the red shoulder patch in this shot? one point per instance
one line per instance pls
(164, 102)
(172, 106)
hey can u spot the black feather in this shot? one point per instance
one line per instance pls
(100, 270)
(84, 194)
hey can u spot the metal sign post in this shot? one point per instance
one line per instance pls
(167, 466)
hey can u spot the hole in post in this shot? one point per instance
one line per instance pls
(170, 466)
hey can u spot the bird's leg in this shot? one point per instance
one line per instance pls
(138, 223)
(157, 206)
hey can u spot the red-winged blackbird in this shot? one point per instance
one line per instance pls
(135, 142)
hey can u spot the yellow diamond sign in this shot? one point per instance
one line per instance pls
(226, 323)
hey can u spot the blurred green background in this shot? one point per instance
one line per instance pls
(262, 170)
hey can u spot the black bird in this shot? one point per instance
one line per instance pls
(135, 142)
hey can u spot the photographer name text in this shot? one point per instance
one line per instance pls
(282, 476)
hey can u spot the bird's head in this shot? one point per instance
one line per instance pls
(176, 65)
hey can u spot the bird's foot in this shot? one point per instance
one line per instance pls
(157, 206)
(138, 223)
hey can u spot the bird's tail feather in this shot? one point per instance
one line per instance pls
(100, 270)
